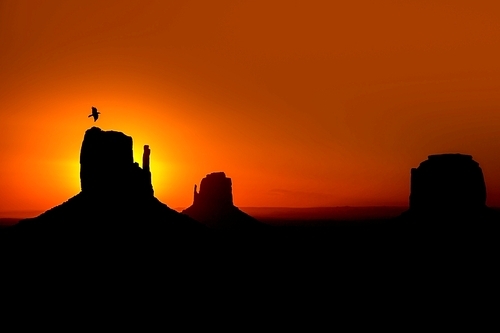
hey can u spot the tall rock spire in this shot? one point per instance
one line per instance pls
(145, 158)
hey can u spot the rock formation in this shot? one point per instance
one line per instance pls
(213, 204)
(116, 194)
(449, 188)
(107, 166)
(215, 189)
(448, 182)
(448, 214)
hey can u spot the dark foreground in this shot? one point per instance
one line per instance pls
(311, 244)
(396, 268)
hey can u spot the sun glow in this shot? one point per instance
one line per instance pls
(335, 110)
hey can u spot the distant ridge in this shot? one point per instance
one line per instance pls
(341, 213)
(8, 221)
(21, 214)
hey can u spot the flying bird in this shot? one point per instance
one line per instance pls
(94, 114)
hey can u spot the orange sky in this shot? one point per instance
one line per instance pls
(301, 103)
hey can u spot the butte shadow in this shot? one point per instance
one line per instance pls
(116, 201)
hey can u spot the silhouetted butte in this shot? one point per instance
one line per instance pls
(214, 207)
(116, 196)
(449, 189)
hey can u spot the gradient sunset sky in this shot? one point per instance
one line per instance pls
(301, 103)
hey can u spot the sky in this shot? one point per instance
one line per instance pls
(301, 103)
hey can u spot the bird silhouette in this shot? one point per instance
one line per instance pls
(94, 114)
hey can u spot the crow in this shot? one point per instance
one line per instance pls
(94, 114)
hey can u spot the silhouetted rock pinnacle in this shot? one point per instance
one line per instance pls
(213, 204)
